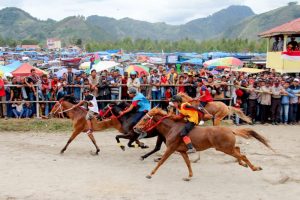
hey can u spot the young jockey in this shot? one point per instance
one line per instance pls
(204, 97)
(191, 114)
(138, 101)
(93, 110)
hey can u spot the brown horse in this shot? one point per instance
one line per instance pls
(77, 115)
(217, 109)
(221, 138)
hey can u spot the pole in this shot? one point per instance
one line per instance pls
(37, 103)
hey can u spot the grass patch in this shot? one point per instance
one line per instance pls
(36, 125)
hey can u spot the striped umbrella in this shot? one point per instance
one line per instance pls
(225, 62)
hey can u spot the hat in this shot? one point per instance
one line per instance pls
(176, 98)
(132, 91)
(296, 80)
(86, 90)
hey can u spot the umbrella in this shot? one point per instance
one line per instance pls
(227, 61)
(85, 65)
(61, 72)
(1, 74)
(105, 65)
(138, 68)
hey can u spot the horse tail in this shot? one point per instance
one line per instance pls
(240, 113)
(248, 133)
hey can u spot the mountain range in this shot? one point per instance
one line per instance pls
(232, 22)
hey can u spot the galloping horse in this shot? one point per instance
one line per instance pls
(217, 109)
(77, 115)
(113, 110)
(221, 138)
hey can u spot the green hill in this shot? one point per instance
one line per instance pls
(232, 22)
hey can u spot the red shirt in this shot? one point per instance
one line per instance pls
(164, 80)
(2, 90)
(207, 96)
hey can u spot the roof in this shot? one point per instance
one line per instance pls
(24, 70)
(30, 46)
(292, 27)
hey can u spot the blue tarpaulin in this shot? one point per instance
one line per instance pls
(11, 67)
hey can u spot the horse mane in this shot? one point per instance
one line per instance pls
(157, 111)
(184, 95)
(70, 99)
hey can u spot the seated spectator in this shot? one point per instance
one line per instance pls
(293, 43)
(27, 110)
(17, 108)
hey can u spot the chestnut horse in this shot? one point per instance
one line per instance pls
(221, 138)
(77, 115)
(217, 109)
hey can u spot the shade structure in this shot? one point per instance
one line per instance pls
(1, 74)
(11, 67)
(105, 65)
(249, 70)
(24, 70)
(227, 61)
(61, 72)
(138, 68)
(194, 61)
(292, 27)
(85, 65)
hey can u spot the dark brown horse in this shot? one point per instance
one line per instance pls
(77, 115)
(217, 109)
(221, 138)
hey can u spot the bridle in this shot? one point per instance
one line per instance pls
(151, 124)
(109, 110)
(60, 108)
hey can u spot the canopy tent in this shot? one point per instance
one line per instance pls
(24, 70)
(249, 70)
(105, 65)
(11, 67)
(61, 72)
(141, 69)
(194, 61)
(85, 65)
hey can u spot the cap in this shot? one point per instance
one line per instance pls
(132, 91)
(296, 80)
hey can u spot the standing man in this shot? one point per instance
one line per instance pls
(155, 89)
(3, 108)
(115, 83)
(70, 80)
(276, 90)
(265, 101)
(295, 89)
(30, 82)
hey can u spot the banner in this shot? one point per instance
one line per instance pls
(291, 55)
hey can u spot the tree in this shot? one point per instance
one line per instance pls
(292, 3)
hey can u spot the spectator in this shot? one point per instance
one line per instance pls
(295, 89)
(3, 108)
(155, 86)
(54, 88)
(124, 87)
(92, 60)
(77, 89)
(27, 110)
(275, 44)
(70, 78)
(164, 82)
(265, 101)
(45, 91)
(252, 101)
(17, 108)
(30, 82)
(145, 90)
(181, 82)
(293, 43)
(94, 80)
(280, 44)
(61, 91)
(276, 90)
(133, 81)
(285, 101)
(104, 90)
(15, 91)
(172, 79)
(191, 87)
(115, 82)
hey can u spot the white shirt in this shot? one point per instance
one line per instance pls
(91, 99)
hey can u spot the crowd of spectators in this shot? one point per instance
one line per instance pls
(267, 97)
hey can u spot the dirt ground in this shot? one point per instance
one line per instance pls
(32, 168)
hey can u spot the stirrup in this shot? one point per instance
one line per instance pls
(201, 123)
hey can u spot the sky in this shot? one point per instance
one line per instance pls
(169, 11)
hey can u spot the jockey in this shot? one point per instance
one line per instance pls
(204, 97)
(93, 110)
(140, 102)
(191, 114)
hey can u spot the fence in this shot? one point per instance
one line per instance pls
(38, 92)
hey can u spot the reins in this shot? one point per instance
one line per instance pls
(156, 124)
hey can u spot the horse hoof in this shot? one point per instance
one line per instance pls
(186, 179)
(122, 147)
(157, 159)
(142, 158)
(259, 168)
(94, 153)
(145, 147)
(148, 177)
(62, 152)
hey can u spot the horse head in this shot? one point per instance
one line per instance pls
(152, 119)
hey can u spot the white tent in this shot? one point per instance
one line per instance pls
(61, 72)
(105, 65)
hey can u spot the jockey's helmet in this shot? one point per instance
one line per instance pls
(176, 98)
(132, 91)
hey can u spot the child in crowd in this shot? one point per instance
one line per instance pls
(17, 108)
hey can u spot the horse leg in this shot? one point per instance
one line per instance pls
(239, 160)
(141, 144)
(73, 136)
(118, 140)
(169, 151)
(157, 147)
(242, 157)
(188, 164)
(91, 136)
(197, 159)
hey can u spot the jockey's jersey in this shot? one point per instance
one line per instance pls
(93, 106)
(207, 96)
(141, 101)
(190, 114)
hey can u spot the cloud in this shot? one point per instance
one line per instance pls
(170, 11)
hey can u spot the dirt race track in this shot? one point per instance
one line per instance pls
(32, 168)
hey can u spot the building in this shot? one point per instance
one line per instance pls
(280, 57)
(53, 43)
